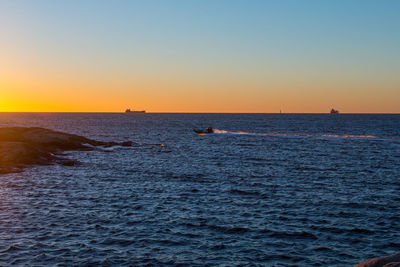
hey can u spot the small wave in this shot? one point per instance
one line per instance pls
(322, 249)
(394, 245)
(243, 192)
(11, 249)
(134, 145)
(117, 241)
(348, 136)
(220, 246)
(360, 231)
(228, 229)
(292, 235)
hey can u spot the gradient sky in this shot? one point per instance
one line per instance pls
(200, 56)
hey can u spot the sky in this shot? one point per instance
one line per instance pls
(200, 56)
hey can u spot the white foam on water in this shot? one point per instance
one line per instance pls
(217, 131)
(344, 136)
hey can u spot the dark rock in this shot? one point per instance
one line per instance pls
(386, 261)
(21, 146)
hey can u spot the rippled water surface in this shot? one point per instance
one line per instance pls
(266, 189)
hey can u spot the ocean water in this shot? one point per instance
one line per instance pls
(265, 190)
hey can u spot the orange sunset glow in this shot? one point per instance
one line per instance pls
(61, 61)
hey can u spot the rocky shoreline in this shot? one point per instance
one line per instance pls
(386, 261)
(27, 146)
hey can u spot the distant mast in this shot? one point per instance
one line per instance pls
(134, 111)
(334, 111)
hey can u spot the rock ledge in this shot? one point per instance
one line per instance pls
(386, 261)
(25, 146)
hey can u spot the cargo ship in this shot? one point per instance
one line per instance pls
(134, 111)
(334, 111)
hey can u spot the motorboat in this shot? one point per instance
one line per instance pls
(209, 130)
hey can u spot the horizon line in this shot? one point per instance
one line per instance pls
(179, 112)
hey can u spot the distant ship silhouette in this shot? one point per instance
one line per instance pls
(134, 111)
(334, 111)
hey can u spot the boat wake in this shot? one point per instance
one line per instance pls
(305, 135)
(134, 145)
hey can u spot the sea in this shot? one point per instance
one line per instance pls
(263, 190)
